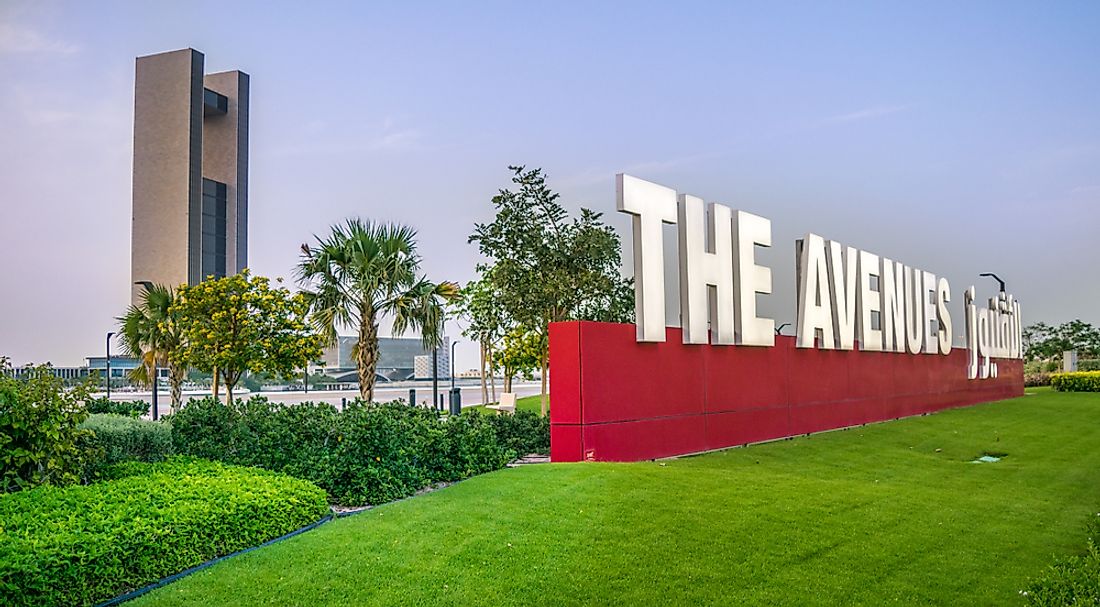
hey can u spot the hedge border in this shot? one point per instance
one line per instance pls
(133, 594)
(331, 516)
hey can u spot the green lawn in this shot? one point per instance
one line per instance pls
(526, 403)
(890, 513)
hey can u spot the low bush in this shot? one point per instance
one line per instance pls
(1033, 380)
(524, 432)
(1080, 381)
(1088, 364)
(40, 437)
(1072, 580)
(130, 408)
(120, 438)
(463, 446)
(84, 544)
(365, 454)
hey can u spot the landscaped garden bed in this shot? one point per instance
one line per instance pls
(1078, 381)
(96, 506)
(363, 454)
(83, 544)
(891, 513)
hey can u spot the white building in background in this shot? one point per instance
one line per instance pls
(423, 365)
(398, 358)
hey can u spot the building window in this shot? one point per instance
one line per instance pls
(213, 228)
(214, 102)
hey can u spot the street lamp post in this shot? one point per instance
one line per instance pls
(156, 384)
(453, 363)
(435, 377)
(109, 335)
(995, 277)
(456, 395)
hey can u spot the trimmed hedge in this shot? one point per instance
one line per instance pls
(524, 432)
(1072, 580)
(1080, 381)
(84, 544)
(129, 408)
(119, 438)
(365, 454)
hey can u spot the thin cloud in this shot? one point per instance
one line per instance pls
(24, 40)
(594, 176)
(866, 113)
(45, 117)
(37, 106)
(396, 140)
(392, 141)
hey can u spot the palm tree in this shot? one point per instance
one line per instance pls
(365, 270)
(149, 333)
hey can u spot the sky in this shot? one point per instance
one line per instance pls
(956, 137)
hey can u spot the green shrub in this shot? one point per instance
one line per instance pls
(1072, 580)
(206, 428)
(84, 544)
(381, 454)
(256, 432)
(1032, 380)
(1088, 364)
(120, 438)
(40, 437)
(523, 432)
(131, 408)
(466, 445)
(1080, 381)
(365, 454)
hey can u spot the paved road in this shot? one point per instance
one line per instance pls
(471, 394)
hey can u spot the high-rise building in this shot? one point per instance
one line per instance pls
(190, 207)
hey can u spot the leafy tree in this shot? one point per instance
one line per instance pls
(40, 435)
(548, 267)
(487, 323)
(365, 270)
(1044, 342)
(521, 354)
(240, 323)
(149, 332)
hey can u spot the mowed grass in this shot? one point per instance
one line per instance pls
(891, 513)
(526, 403)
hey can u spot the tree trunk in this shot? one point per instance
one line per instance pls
(507, 379)
(484, 385)
(175, 380)
(150, 375)
(492, 375)
(231, 378)
(366, 354)
(545, 396)
(215, 382)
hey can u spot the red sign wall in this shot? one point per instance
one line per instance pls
(614, 399)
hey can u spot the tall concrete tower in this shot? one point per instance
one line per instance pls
(190, 206)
